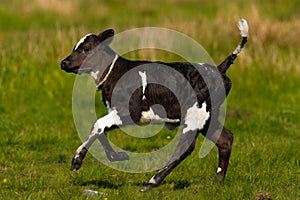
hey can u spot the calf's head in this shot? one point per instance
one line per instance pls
(90, 54)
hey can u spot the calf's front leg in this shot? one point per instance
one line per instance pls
(110, 153)
(98, 132)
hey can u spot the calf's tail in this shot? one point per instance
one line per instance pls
(243, 26)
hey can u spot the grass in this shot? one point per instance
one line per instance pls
(38, 136)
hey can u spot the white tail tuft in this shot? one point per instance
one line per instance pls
(243, 26)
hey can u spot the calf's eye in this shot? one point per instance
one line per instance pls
(85, 50)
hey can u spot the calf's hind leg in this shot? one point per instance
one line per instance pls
(195, 120)
(185, 147)
(223, 139)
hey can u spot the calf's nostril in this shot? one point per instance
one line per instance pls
(63, 64)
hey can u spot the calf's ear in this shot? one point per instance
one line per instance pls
(106, 36)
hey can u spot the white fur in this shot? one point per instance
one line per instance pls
(219, 169)
(95, 75)
(152, 180)
(86, 144)
(144, 82)
(149, 115)
(196, 117)
(81, 41)
(108, 107)
(244, 28)
(107, 121)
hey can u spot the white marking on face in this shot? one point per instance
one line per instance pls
(219, 169)
(95, 75)
(144, 82)
(148, 116)
(81, 41)
(196, 117)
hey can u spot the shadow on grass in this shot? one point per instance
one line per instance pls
(174, 184)
(179, 184)
(102, 184)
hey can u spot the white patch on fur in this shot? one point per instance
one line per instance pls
(108, 106)
(144, 82)
(237, 51)
(152, 180)
(196, 117)
(107, 121)
(95, 75)
(219, 169)
(148, 116)
(244, 28)
(92, 137)
(81, 41)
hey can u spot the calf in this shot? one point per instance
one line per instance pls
(191, 106)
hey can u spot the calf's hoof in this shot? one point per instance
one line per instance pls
(76, 164)
(220, 175)
(77, 160)
(117, 156)
(147, 187)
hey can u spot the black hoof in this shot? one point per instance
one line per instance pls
(76, 164)
(147, 187)
(77, 160)
(117, 156)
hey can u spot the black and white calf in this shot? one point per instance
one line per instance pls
(190, 105)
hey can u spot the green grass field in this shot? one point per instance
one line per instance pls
(37, 133)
